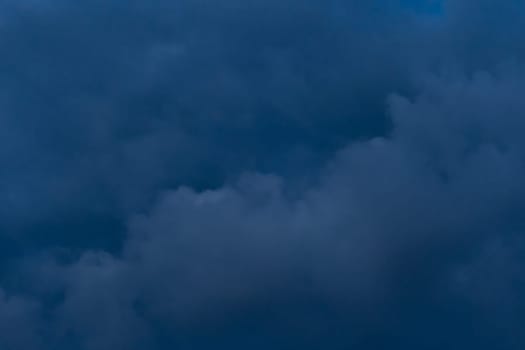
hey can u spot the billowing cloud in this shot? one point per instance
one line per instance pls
(20, 323)
(393, 224)
(248, 174)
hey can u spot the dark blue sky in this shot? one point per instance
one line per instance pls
(249, 174)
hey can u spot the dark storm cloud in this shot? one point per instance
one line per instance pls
(248, 174)
(394, 237)
(104, 103)
(19, 322)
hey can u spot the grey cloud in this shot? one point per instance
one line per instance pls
(20, 323)
(392, 217)
(394, 140)
(103, 106)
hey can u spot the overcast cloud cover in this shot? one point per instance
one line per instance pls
(278, 174)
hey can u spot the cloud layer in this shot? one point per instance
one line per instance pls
(248, 174)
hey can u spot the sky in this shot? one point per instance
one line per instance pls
(262, 174)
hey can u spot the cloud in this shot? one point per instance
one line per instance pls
(95, 95)
(372, 248)
(250, 174)
(19, 322)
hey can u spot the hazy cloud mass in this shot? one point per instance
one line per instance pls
(278, 174)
